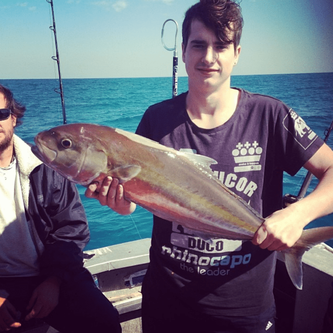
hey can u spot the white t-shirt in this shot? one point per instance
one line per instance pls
(18, 254)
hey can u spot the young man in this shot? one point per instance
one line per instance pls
(197, 283)
(43, 229)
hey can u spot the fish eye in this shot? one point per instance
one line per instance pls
(66, 143)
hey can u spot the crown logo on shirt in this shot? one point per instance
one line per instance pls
(247, 156)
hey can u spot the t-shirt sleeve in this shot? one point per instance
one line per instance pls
(143, 127)
(297, 139)
(162, 118)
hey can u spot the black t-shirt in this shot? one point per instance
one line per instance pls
(262, 139)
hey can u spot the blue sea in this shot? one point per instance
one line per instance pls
(121, 102)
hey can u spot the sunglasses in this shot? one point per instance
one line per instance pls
(4, 114)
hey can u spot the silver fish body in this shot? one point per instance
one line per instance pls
(173, 185)
(176, 186)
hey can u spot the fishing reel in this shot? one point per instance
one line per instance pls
(289, 199)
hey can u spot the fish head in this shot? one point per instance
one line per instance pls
(72, 152)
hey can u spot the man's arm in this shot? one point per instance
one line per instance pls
(60, 222)
(283, 228)
(44, 298)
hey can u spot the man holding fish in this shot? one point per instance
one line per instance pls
(43, 230)
(199, 283)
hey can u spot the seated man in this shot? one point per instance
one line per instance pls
(43, 229)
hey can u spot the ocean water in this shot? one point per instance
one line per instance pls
(121, 102)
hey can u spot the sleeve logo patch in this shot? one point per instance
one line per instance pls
(301, 133)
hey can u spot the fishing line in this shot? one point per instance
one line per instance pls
(136, 227)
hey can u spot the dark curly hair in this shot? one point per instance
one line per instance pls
(16, 108)
(220, 16)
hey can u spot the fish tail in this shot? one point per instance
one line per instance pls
(293, 256)
(293, 262)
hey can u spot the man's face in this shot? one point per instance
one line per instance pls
(6, 127)
(208, 61)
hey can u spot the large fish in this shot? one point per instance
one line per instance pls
(173, 185)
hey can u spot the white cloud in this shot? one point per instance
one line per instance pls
(26, 5)
(168, 2)
(101, 3)
(22, 4)
(118, 6)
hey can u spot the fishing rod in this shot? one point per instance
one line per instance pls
(175, 58)
(289, 198)
(56, 58)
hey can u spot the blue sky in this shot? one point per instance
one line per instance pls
(122, 38)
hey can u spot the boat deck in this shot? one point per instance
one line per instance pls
(119, 269)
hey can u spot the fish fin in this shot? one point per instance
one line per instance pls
(293, 262)
(203, 161)
(293, 256)
(126, 173)
(200, 160)
(143, 140)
